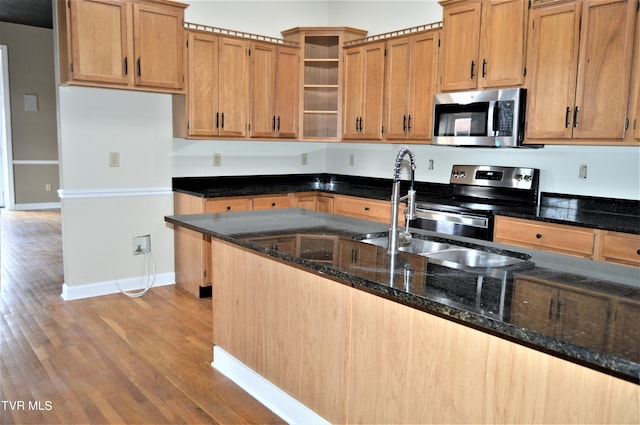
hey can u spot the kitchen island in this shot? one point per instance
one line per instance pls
(357, 335)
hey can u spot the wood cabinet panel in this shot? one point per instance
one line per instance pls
(99, 40)
(410, 85)
(227, 205)
(203, 83)
(585, 50)
(460, 43)
(271, 202)
(625, 332)
(233, 87)
(368, 209)
(274, 90)
(158, 41)
(621, 248)
(131, 44)
(565, 239)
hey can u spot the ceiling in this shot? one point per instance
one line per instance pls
(37, 13)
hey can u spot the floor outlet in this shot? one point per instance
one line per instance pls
(141, 244)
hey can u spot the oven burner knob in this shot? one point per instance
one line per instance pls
(527, 178)
(519, 177)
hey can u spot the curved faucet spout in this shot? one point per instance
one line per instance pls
(395, 236)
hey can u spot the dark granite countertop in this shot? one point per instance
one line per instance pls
(480, 298)
(599, 213)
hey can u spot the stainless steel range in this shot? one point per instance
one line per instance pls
(478, 192)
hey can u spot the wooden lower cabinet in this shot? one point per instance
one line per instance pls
(620, 248)
(314, 202)
(570, 240)
(624, 330)
(354, 357)
(559, 312)
(368, 209)
(271, 202)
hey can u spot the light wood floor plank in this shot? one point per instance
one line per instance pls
(108, 359)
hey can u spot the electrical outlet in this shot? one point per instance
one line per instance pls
(114, 159)
(304, 159)
(352, 160)
(47, 187)
(141, 244)
(430, 166)
(582, 173)
(217, 160)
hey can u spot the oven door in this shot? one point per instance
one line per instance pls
(454, 223)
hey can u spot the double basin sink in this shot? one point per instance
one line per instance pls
(456, 256)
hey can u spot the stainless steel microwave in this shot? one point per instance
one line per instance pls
(493, 118)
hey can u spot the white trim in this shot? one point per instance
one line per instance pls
(89, 290)
(36, 162)
(113, 193)
(37, 206)
(6, 138)
(276, 400)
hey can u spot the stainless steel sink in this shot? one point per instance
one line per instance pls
(453, 256)
(417, 246)
(474, 258)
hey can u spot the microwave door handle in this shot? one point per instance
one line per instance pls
(491, 119)
(496, 120)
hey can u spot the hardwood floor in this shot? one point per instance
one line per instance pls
(110, 359)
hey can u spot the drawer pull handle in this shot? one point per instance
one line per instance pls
(538, 235)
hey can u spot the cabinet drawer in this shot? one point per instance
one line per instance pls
(362, 208)
(547, 236)
(621, 248)
(271, 202)
(227, 205)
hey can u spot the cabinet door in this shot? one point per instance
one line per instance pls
(551, 70)
(202, 92)
(100, 41)
(460, 41)
(625, 332)
(424, 63)
(271, 202)
(287, 89)
(263, 90)
(372, 92)
(634, 116)
(502, 49)
(352, 93)
(534, 306)
(604, 70)
(158, 38)
(572, 310)
(227, 205)
(324, 204)
(233, 87)
(397, 88)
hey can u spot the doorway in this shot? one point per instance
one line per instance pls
(6, 154)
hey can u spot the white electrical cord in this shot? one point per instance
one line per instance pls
(150, 280)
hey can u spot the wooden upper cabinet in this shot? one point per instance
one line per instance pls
(158, 46)
(274, 90)
(460, 43)
(502, 45)
(99, 41)
(217, 93)
(579, 69)
(131, 44)
(363, 91)
(411, 75)
(483, 44)
(633, 129)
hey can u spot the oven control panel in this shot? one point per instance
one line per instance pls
(494, 176)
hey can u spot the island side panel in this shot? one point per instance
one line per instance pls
(288, 325)
(431, 370)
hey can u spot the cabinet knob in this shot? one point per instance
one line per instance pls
(273, 204)
(538, 235)
(228, 207)
(638, 252)
(366, 208)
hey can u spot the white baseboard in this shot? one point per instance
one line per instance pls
(276, 400)
(37, 206)
(89, 290)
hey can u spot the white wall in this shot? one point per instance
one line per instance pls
(105, 207)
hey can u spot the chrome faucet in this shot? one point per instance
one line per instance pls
(399, 238)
